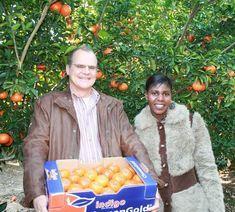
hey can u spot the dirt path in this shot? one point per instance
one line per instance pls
(11, 188)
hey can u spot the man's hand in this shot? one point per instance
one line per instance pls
(40, 203)
(156, 206)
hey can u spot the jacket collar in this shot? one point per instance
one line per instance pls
(64, 100)
(146, 120)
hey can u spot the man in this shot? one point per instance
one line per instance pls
(78, 123)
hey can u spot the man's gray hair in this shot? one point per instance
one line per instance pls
(83, 47)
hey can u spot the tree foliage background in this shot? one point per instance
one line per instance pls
(178, 38)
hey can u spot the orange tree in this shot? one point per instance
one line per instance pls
(190, 41)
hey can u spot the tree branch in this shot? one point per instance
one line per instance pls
(13, 34)
(195, 10)
(102, 14)
(7, 158)
(228, 48)
(43, 15)
(15, 46)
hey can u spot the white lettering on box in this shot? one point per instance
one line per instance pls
(51, 174)
(110, 204)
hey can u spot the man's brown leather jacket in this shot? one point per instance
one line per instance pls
(54, 134)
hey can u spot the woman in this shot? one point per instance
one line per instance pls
(180, 148)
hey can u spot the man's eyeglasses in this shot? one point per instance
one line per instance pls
(80, 66)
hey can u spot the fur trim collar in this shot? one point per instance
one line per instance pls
(145, 119)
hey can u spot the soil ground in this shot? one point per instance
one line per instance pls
(11, 188)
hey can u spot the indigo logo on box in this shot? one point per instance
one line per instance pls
(78, 201)
(110, 204)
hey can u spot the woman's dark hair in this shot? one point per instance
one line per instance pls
(157, 79)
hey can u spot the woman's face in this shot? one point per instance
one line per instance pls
(159, 99)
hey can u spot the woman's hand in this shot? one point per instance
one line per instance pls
(40, 203)
(156, 205)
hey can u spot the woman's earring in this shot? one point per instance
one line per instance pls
(172, 105)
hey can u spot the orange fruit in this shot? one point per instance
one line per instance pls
(2, 112)
(65, 10)
(108, 173)
(84, 182)
(66, 183)
(100, 169)
(95, 28)
(17, 97)
(114, 168)
(137, 179)
(91, 174)
(190, 38)
(80, 172)
(63, 74)
(96, 187)
(231, 73)
(211, 68)
(207, 38)
(131, 169)
(41, 67)
(114, 84)
(107, 51)
(3, 95)
(9, 142)
(198, 86)
(56, 6)
(102, 180)
(74, 178)
(74, 187)
(4, 138)
(127, 173)
(114, 185)
(119, 177)
(123, 87)
(64, 173)
(99, 74)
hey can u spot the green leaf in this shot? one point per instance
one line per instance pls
(3, 24)
(104, 35)
(34, 92)
(9, 43)
(20, 16)
(7, 85)
(69, 49)
(153, 64)
(15, 27)
(28, 26)
(2, 75)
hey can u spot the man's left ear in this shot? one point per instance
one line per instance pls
(67, 69)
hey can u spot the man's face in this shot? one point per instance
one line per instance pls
(159, 99)
(82, 71)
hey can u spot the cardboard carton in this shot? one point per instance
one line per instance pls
(132, 196)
